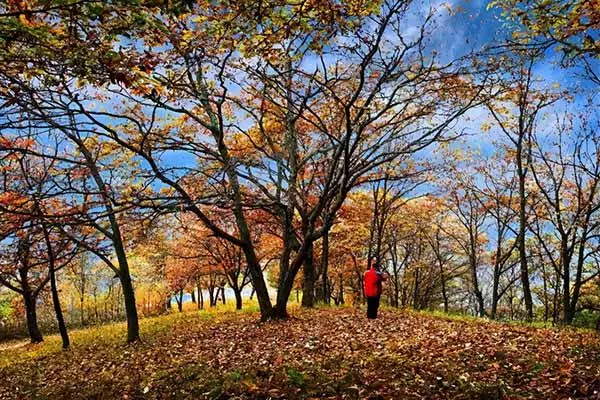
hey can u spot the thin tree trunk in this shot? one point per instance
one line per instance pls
(325, 267)
(211, 295)
(308, 290)
(200, 297)
(521, 237)
(443, 280)
(62, 328)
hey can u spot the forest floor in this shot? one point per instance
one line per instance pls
(331, 353)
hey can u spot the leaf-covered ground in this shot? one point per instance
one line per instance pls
(326, 353)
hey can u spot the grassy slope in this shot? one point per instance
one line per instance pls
(334, 353)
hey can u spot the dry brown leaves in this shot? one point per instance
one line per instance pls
(329, 353)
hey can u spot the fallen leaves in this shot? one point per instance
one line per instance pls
(329, 353)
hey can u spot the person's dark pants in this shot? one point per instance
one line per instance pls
(372, 307)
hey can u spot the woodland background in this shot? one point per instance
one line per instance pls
(160, 154)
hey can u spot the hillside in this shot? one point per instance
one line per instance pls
(324, 353)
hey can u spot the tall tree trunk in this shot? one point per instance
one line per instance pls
(566, 275)
(81, 310)
(62, 328)
(325, 267)
(211, 295)
(521, 236)
(497, 272)
(546, 300)
(341, 296)
(286, 283)
(495, 289)
(179, 298)
(416, 290)
(443, 280)
(308, 289)
(238, 298)
(579, 271)
(200, 297)
(133, 327)
(31, 315)
(193, 294)
(267, 312)
(476, 290)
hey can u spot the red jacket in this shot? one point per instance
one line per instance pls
(372, 283)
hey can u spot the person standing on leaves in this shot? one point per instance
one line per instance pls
(373, 287)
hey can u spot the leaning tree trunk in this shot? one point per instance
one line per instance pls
(62, 328)
(133, 327)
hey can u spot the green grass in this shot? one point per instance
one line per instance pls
(114, 334)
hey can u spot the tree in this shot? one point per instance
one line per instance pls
(528, 102)
(33, 250)
(571, 25)
(567, 179)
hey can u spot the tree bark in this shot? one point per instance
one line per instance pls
(308, 289)
(31, 315)
(521, 236)
(238, 299)
(211, 296)
(325, 267)
(62, 327)
(133, 328)
(200, 298)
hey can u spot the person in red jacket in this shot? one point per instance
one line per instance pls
(373, 288)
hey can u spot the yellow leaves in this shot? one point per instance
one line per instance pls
(23, 19)
(188, 35)
(166, 191)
